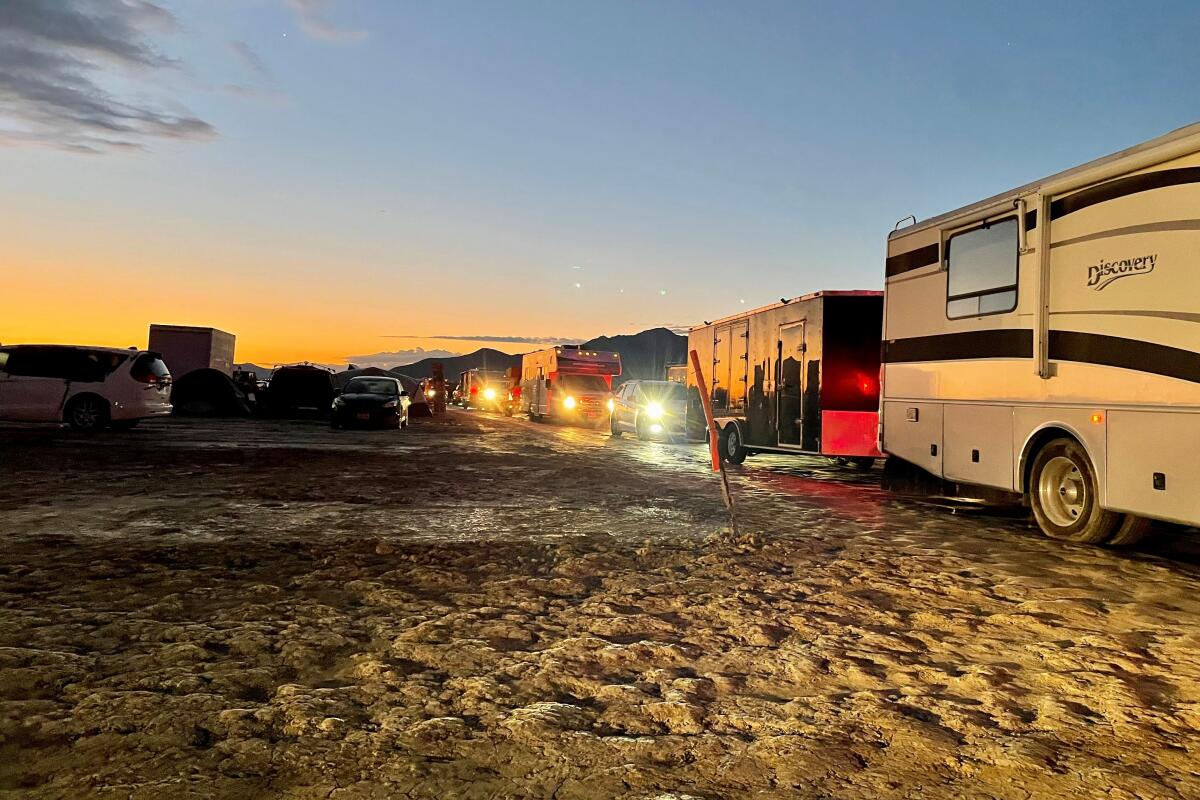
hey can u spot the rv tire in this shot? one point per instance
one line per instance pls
(1131, 531)
(732, 449)
(1065, 496)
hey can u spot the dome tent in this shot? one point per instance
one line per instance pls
(299, 388)
(420, 404)
(208, 393)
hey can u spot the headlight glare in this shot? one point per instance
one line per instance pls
(654, 410)
(489, 393)
(612, 405)
(569, 402)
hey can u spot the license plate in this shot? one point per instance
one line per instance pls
(364, 415)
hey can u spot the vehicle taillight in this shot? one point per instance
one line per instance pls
(474, 390)
(866, 384)
(516, 392)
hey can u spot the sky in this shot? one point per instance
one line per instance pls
(337, 178)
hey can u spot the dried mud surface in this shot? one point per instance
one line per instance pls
(481, 607)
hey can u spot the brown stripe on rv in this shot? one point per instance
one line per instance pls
(1123, 187)
(1114, 351)
(913, 259)
(968, 345)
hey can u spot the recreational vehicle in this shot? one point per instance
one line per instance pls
(483, 388)
(799, 376)
(1046, 341)
(568, 384)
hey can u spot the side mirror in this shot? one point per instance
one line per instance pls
(403, 393)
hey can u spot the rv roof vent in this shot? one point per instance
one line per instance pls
(900, 222)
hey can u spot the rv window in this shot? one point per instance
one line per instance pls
(981, 269)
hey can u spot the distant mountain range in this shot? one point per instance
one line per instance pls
(644, 356)
(483, 358)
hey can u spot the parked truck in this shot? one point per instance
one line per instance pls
(799, 376)
(568, 384)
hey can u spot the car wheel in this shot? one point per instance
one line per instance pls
(639, 428)
(404, 423)
(613, 430)
(732, 448)
(333, 423)
(1065, 497)
(87, 413)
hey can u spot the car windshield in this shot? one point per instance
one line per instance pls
(584, 383)
(371, 386)
(663, 392)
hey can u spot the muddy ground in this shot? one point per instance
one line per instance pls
(490, 608)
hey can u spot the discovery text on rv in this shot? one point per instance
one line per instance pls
(1104, 273)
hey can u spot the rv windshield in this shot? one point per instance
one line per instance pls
(583, 383)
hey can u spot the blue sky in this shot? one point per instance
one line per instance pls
(483, 158)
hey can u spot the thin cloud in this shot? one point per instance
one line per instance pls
(53, 56)
(311, 17)
(250, 59)
(398, 358)
(485, 338)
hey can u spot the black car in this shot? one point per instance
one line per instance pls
(371, 401)
(651, 409)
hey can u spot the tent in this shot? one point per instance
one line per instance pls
(300, 388)
(208, 393)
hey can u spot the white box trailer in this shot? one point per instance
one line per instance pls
(185, 348)
(1046, 341)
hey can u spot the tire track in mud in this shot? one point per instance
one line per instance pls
(494, 608)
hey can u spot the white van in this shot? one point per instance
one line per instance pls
(86, 387)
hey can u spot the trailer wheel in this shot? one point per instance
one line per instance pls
(1065, 497)
(732, 449)
(1131, 531)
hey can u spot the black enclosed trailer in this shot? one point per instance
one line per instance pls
(799, 376)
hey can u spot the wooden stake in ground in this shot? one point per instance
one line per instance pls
(714, 442)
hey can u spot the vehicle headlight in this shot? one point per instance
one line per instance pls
(433, 392)
(654, 410)
(391, 404)
(612, 405)
(569, 402)
(337, 401)
(490, 394)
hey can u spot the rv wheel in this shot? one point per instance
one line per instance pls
(1132, 530)
(1064, 495)
(732, 449)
